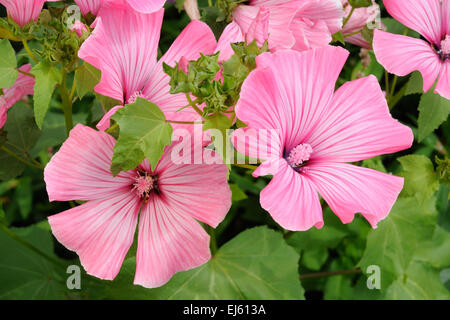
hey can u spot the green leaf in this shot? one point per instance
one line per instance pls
(421, 283)
(86, 78)
(24, 274)
(256, 264)
(47, 77)
(415, 84)
(144, 132)
(360, 3)
(313, 245)
(8, 64)
(237, 193)
(339, 37)
(22, 136)
(393, 26)
(24, 196)
(393, 244)
(420, 179)
(435, 251)
(433, 111)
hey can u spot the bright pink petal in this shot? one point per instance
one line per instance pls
(23, 11)
(124, 46)
(402, 55)
(105, 121)
(292, 200)
(80, 170)
(282, 94)
(196, 38)
(423, 16)
(329, 11)
(23, 86)
(358, 40)
(198, 189)
(310, 34)
(350, 189)
(231, 34)
(100, 232)
(443, 84)
(253, 21)
(91, 6)
(446, 17)
(168, 242)
(146, 6)
(358, 125)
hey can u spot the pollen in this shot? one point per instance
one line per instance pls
(134, 96)
(299, 155)
(144, 184)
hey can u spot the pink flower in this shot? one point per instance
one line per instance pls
(23, 86)
(169, 198)
(23, 11)
(124, 46)
(144, 6)
(317, 132)
(296, 24)
(402, 55)
(79, 28)
(359, 19)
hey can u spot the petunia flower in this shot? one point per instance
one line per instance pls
(23, 11)
(286, 24)
(316, 131)
(401, 55)
(168, 201)
(124, 46)
(359, 19)
(144, 6)
(23, 86)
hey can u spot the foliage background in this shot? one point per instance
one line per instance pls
(256, 258)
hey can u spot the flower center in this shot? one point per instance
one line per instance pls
(144, 184)
(134, 96)
(444, 52)
(299, 155)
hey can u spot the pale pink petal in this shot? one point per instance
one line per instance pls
(91, 6)
(124, 46)
(358, 125)
(446, 17)
(146, 6)
(292, 200)
(358, 40)
(231, 34)
(105, 121)
(80, 169)
(443, 84)
(423, 16)
(282, 94)
(330, 11)
(196, 38)
(101, 232)
(402, 55)
(192, 186)
(350, 189)
(79, 28)
(258, 144)
(310, 34)
(254, 22)
(168, 242)
(23, 86)
(280, 36)
(23, 11)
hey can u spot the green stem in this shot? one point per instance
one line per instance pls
(182, 122)
(193, 105)
(246, 166)
(348, 17)
(351, 34)
(394, 83)
(28, 163)
(66, 104)
(30, 246)
(397, 97)
(112, 128)
(386, 85)
(213, 241)
(28, 50)
(25, 73)
(72, 92)
(329, 274)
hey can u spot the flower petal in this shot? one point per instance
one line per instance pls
(358, 125)
(282, 94)
(446, 17)
(402, 55)
(423, 16)
(80, 169)
(124, 46)
(329, 11)
(310, 35)
(443, 84)
(231, 34)
(253, 21)
(350, 189)
(24, 11)
(105, 121)
(146, 6)
(168, 242)
(292, 200)
(91, 6)
(101, 232)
